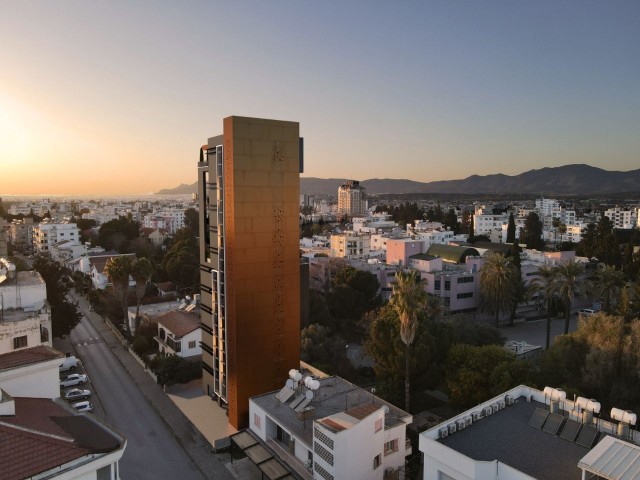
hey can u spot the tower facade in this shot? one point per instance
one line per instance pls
(249, 191)
(352, 199)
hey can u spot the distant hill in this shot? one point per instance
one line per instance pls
(568, 180)
(182, 189)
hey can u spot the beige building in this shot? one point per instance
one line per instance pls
(249, 192)
(352, 199)
(350, 245)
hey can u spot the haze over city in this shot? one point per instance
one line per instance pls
(116, 98)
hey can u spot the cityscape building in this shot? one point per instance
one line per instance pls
(249, 193)
(352, 199)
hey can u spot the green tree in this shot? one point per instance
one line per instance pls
(499, 284)
(472, 231)
(192, 221)
(511, 229)
(64, 314)
(465, 224)
(543, 283)
(181, 262)
(141, 271)
(116, 234)
(478, 373)
(570, 282)
(607, 285)
(408, 299)
(118, 269)
(324, 350)
(531, 233)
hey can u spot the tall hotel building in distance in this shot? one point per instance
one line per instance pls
(249, 191)
(352, 199)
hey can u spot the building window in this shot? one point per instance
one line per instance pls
(256, 420)
(323, 438)
(391, 446)
(447, 285)
(323, 473)
(378, 425)
(192, 344)
(19, 342)
(465, 295)
(465, 279)
(436, 285)
(323, 453)
(376, 461)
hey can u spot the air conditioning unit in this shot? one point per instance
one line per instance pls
(501, 404)
(487, 411)
(460, 424)
(443, 432)
(495, 407)
(468, 420)
(510, 400)
(452, 428)
(475, 416)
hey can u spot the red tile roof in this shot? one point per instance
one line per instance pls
(24, 454)
(43, 435)
(166, 287)
(41, 353)
(179, 323)
(100, 261)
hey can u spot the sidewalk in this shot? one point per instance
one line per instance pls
(192, 441)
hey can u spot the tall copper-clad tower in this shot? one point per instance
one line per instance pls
(249, 191)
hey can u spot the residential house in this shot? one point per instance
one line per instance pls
(179, 333)
(41, 435)
(25, 318)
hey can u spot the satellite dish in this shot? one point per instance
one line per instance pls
(315, 384)
(386, 410)
(307, 381)
(308, 394)
(289, 383)
(297, 376)
(292, 373)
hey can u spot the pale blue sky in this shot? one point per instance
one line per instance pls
(422, 90)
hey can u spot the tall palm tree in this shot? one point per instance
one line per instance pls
(408, 299)
(607, 285)
(141, 271)
(499, 284)
(544, 284)
(118, 270)
(570, 282)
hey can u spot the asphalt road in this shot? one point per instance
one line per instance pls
(152, 452)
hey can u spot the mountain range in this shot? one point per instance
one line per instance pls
(578, 179)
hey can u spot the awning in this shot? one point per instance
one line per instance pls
(261, 455)
(613, 459)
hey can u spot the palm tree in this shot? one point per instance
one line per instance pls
(499, 284)
(118, 270)
(544, 284)
(608, 286)
(570, 282)
(141, 271)
(408, 299)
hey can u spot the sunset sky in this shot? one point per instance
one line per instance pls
(116, 97)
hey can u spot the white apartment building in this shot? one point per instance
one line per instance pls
(170, 220)
(352, 199)
(327, 428)
(25, 318)
(350, 245)
(548, 209)
(490, 225)
(623, 218)
(526, 434)
(46, 234)
(21, 234)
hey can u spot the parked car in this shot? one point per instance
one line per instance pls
(84, 406)
(69, 363)
(73, 379)
(586, 312)
(77, 394)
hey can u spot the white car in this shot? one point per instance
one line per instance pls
(83, 406)
(73, 379)
(77, 394)
(586, 312)
(69, 363)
